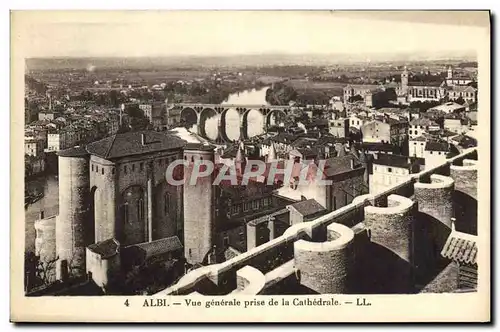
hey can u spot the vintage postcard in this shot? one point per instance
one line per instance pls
(250, 166)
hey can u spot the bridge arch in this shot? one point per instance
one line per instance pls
(209, 123)
(253, 122)
(230, 124)
(190, 118)
(275, 117)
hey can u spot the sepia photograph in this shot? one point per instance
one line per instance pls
(250, 160)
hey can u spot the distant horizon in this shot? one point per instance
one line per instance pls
(171, 34)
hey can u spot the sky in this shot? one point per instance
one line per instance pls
(213, 33)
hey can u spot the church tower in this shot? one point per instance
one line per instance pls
(450, 73)
(404, 81)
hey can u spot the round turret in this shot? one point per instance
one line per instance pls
(71, 227)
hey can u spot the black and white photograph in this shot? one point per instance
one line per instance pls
(276, 153)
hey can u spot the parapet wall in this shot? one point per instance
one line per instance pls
(465, 198)
(275, 253)
(391, 226)
(465, 177)
(436, 198)
(325, 267)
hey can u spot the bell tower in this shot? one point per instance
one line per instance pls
(404, 81)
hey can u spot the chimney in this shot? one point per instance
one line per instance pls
(143, 139)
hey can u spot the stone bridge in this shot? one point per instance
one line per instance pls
(230, 122)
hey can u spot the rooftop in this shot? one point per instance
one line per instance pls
(396, 161)
(437, 146)
(106, 248)
(131, 143)
(308, 207)
(461, 247)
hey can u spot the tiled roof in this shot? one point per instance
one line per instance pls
(308, 207)
(396, 160)
(161, 246)
(420, 138)
(106, 248)
(337, 165)
(460, 247)
(128, 144)
(437, 146)
(423, 122)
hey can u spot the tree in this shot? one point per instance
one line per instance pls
(137, 120)
(355, 98)
(460, 100)
(37, 271)
(28, 168)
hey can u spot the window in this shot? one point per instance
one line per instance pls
(140, 209)
(242, 236)
(133, 167)
(141, 167)
(246, 205)
(226, 241)
(125, 169)
(97, 169)
(92, 167)
(265, 201)
(102, 171)
(167, 201)
(411, 132)
(113, 171)
(255, 205)
(334, 203)
(159, 162)
(389, 169)
(430, 152)
(125, 213)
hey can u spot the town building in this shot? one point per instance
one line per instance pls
(456, 123)
(385, 130)
(436, 153)
(339, 127)
(467, 93)
(416, 145)
(390, 170)
(421, 126)
(447, 108)
(56, 140)
(457, 80)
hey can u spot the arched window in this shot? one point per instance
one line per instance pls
(167, 201)
(125, 213)
(140, 209)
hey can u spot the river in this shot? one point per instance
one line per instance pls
(248, 97)
(49, 184)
